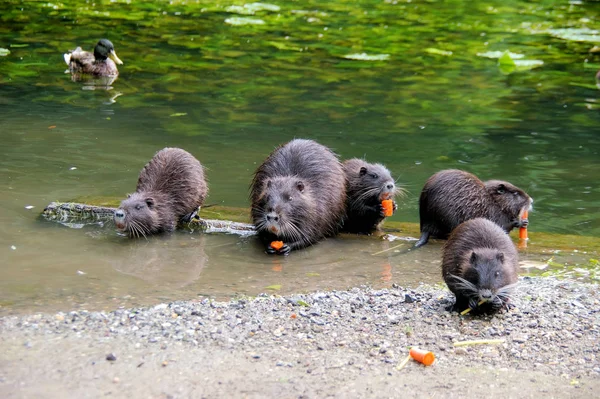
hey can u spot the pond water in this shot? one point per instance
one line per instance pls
(229, 87)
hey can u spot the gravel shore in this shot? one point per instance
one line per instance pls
(324, 344)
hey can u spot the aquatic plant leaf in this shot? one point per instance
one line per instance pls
(244, 21)
(576, 34)
(438, 51)
(4, 52)
(499, 54)
(367, 57)
(252, 8)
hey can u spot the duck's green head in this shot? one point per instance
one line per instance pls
(105, 49)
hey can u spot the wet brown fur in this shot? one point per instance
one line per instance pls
(453, 196)
(367, 184)
(302, 185)
(170, 187)
(481, 253)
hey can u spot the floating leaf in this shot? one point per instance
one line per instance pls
(4, 52)
(302, 303)
(508, 65)
(576, 34)
(179, 114)
(19, 45)
(312, 274)
(499, 54)
(274, 287)
(438, 51)
(367, 57)
(251, 8)
(244, 21)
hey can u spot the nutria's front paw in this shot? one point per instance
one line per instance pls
(284, 250)
(381, 210)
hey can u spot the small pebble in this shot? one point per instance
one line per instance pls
(111, 357)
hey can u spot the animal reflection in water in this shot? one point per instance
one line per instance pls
(163, 262)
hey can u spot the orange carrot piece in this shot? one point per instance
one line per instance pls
(422, 356)
(277, 245)
(523, 230)
(388, 207)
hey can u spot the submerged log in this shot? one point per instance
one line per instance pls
(74, 214)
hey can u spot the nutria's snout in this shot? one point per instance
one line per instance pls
(272, 222)
(120, 219)
(485, 295)
(388, 189)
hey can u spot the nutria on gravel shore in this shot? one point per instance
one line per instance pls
(480, 263)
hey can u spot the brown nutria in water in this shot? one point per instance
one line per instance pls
(453, 196)
(171, 187)
(480, 263)
(367, 184)
(298, 195)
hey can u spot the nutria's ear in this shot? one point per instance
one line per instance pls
(500, 257)
(128, 195)
(300, 185)
(473, 259)
(150, 202)
(501, 189)
(363, 171)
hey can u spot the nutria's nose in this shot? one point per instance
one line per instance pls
(119, 214)
(272, 218)
(389, 186)
(486, 294)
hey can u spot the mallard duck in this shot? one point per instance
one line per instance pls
(101, 63)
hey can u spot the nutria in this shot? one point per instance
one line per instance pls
(298, 195)
(452, 196)
(480, 263)
(171, 187)
(367, 184)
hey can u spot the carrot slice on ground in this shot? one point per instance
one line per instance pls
(422, 356)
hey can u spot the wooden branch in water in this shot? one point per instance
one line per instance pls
(72, 213)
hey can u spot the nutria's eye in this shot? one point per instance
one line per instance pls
(500, 191)
(289, 198)
(496, 274)
(138, 207)
(374, 175)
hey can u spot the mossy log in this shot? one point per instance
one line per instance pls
(77, 213)
(222, 219)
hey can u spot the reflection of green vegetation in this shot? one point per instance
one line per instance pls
(177, 47)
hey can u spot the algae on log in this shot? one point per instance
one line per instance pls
(72, 213)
